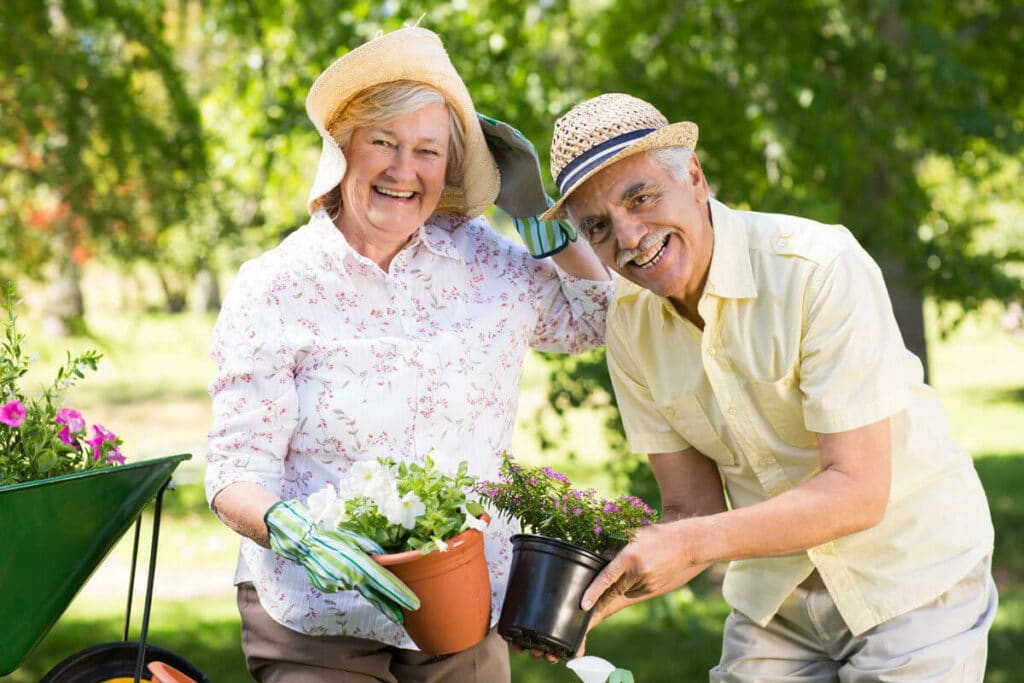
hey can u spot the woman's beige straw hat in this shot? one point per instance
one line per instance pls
(600, 131)
(408, 54)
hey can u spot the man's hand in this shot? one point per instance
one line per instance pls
(657, 561)
(522, 193)
(336, 560)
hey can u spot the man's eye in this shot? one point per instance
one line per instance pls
(595, 229)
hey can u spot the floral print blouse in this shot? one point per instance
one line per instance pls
(324, 360)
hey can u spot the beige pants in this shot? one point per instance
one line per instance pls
(276, 654)
(945, 640)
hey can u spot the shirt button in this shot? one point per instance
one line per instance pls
(732, 412)
(711, 351)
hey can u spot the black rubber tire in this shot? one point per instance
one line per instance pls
(101, 663)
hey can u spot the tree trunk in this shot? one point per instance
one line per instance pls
(205, 292)
(65, 309)
(908, 306)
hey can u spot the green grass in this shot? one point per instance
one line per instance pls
(151, 389)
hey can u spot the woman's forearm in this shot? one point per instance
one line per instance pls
(242, 506)
(580, 260)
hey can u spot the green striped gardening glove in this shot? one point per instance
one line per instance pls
(522, 193)
(336, 560)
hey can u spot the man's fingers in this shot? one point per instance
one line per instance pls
(602, 582)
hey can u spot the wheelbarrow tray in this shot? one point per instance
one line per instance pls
(56, 532)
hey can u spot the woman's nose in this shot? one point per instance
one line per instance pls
(401, 167)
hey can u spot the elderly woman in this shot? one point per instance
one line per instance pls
(395, 322)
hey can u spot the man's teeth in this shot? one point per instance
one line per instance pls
(655, 256)
(395, 193)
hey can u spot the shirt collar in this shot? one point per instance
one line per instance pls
(437, 234)
(731, 275)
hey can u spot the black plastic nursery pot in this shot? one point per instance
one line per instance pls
(542, 604)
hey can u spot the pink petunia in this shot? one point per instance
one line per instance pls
(12, 413)
(100, 435)
(74, 424)
(72, 418)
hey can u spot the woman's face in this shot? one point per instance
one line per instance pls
(393, 182)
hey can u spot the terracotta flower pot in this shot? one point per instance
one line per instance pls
(545, 585)
(454, 588)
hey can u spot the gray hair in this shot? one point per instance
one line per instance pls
(386, 102)
(675, 160)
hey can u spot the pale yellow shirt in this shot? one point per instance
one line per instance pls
(800, 337)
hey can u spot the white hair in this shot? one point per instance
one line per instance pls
(675, 160)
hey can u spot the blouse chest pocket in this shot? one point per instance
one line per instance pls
(780, 403)
(687, 417)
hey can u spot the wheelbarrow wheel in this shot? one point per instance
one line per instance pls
(115, 663)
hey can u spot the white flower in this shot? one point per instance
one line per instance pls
(591, 669)
(369, 478)
(475, 522)
(442, 546)
(327, 508)
(404, 510)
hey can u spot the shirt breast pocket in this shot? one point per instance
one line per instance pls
(687, 417)
(780, 403)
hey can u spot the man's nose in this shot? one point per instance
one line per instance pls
(628, 231)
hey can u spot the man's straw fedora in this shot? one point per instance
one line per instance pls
(408, 54)
(600, 131)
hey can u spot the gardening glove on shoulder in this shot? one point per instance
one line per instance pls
(522, 194)
(336, 559)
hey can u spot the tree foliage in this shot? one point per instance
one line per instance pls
(100, 142)
(174, 131)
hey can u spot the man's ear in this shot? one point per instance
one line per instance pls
(698, 183)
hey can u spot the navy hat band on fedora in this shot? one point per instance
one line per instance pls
(595, 156)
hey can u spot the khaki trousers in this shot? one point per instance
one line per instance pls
(945, 640)
(276, 654)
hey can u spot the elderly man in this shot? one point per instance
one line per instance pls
(756, 360)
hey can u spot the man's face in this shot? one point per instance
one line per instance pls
(648, 226)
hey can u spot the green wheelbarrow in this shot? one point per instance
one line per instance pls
(56, 532)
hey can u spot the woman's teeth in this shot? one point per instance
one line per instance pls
(394, 193)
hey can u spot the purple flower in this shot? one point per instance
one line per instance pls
(12, 413)
(552, 474)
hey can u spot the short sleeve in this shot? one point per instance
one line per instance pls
(571, 310)
(853, 362)
(646, 429)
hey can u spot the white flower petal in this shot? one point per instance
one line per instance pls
(591, 669)
(475, 522)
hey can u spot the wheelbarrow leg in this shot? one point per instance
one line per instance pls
(140, 662)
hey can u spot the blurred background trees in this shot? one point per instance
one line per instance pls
(170, 135)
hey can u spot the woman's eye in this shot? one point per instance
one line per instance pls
(379, 142)
(430, 152)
